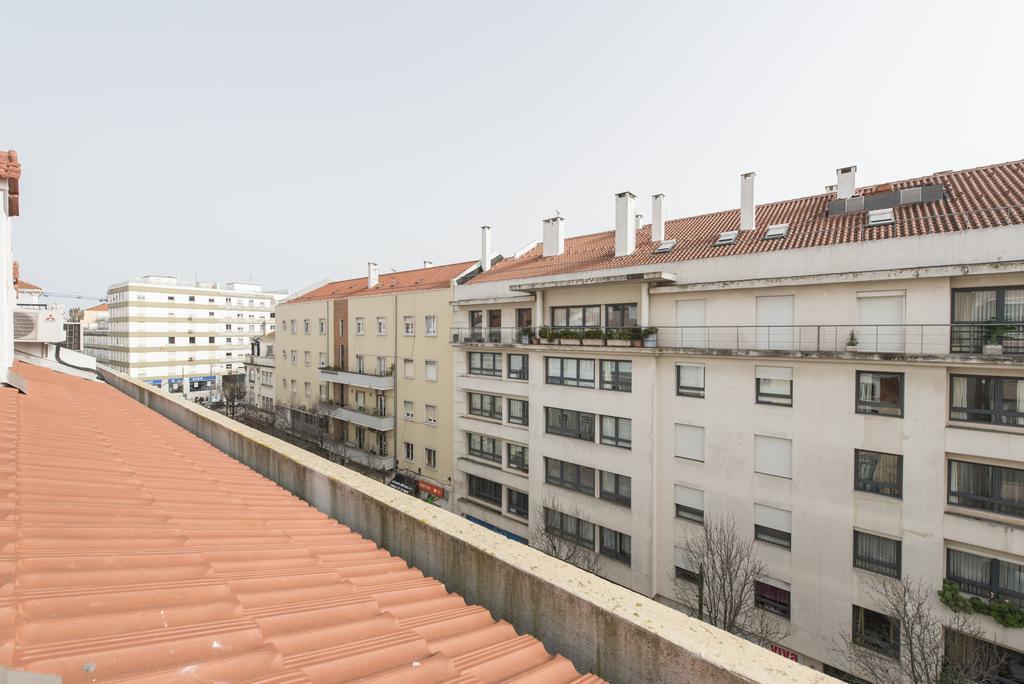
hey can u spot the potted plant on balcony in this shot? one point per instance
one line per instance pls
(616, 337)
(634, 334)
(996, 333)
(593, 336)
(547, 334)
(524, 335)
(575, 334)
(851, 341)
(650, 336)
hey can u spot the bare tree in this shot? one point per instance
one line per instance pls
(929, 644)
(561, 536)
(322, 415)
(233, 390)
(726, 568)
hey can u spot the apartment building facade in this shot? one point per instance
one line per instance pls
(259, 377)
(840, 374)
(182, 336)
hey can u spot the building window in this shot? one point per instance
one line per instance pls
(431, 455)
(774, 385)
(989, 578)
(485, 490)
(476, 320)
(191, 340)
(773, 456)
(689, 442)
(616, 545)
(570, 528)
(569, 475)
(212, 339)
(518, 367)
(431, 414)
(430, 371)
(409, 366)
(294, 357)
(170, 340)
(524, 318)
(382, 326)
(305, 326)
(518, 457)
(877, 554)
(572, 372)
(987, 487)
(409, 325)
(485, 405)
(690, 504)
(988, 316)
(617, 376)
(323, 326)
(876, 632)
(981, 399)
(430, 324)
(360, 327)
(191, 298)
(485, 363)
(323, 359)
(519, 503)
(878, 473)
(620, 316)
(292, 325)
(773, 525)
(307, 389)
(616, 488)
(771, 598)
(483, 446)
(576, 316)
(617, 432)
(410, 452)
(307, 358)
(880, 393)
(518, 412)
(689, 380)
(410, 411)
(567, 423)
(683, 571)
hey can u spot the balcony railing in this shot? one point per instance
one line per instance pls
(375, 376)
(365, 416)
(916, 339)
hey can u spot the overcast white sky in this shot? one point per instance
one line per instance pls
(296, 141)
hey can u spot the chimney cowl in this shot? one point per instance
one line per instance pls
(846, 182)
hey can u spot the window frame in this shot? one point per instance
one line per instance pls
(524, 418)
(482, 496)
(525, 468)
(768, 397)
(688, 390)
(860, 405)
(616, 550)
(524, 372)
(577, 484)
(616, 384)
(995, 482)
(523, 512)
(890, 647)
(875, 565)
(493, 414)
(495, 371)
(614, 495)
(569, 381)
(620, 310)
(479, 451)
(616, 439)
(560, 531)
(771, 605)
(990, 591)
(579, 433)
(859, 485)
(770, 535)
(994, 398)
(583, 315)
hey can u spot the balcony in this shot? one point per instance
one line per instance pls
(374, 378)
(363, 416)
(347, 452)
(1001, 341)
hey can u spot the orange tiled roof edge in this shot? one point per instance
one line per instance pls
(430, 278)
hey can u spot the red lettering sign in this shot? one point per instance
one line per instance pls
(785, 653)
(431, 489)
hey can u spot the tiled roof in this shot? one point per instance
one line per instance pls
(976, 198)
(10, 168)
(25, 286)
(131, 550)
(99, 307)
(430, 278)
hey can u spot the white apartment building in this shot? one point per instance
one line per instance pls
(180, 335)
(843, 374)
(259, 376)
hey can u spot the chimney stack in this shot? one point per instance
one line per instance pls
(427, 263)
(485, 248)
(372, 274)
(846, 185)
(625, 234)
(554, 236)
(657, 218)
(747, 201)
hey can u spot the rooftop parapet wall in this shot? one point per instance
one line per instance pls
(603, 628)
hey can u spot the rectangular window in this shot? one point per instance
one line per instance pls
(212, 339)
(382, 326)
(485, 363)
(773, 525)
(518, 367)
(616, 488)
(689, 442)
(431, 414)
(773, 456)
(307, 389)
(617, 376)
(431, 455)
(616, 545)
(191, 340)
(170, 340)
(774, 385)
(620, 316)
(485, 405)
(410, 451)
(987, 487)
(305, 326)
(430, 324)
(878, 473)
(518, 457)
(568, 527)
(360, 327)
(690, 504)
(982, 399)
(988, 316)
(191, 298)
(485, 490)
(409, 368)
(524, 318)
(877, 554)
(323, 359)
(771, 598)
(484, 447)
(876, 632)
(880, 393)
(519, 503)
(476, 319)
(306, 358)
(569, 476)
(518, 411)
(409, 324)
(683, 569)
(572, 372)
(989, 578)
(566, 423)
(617, 432)
(430, 371)
(410, 410)
(689, 380)
(576, 316)
(323, 326)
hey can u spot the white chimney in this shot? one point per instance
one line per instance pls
(485, 248)
(846, 185)
(747, 201)
(554, 236)
(638, 222)
(657, 218)
(625, 234)
(372, 274)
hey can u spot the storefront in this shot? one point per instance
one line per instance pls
(202, 383)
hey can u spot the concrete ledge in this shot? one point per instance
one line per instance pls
(602, 627)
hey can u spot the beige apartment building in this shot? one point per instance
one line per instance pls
(843, 374)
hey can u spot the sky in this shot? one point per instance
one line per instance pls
(290, 143)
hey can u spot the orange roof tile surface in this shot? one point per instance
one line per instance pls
(976, 198)
(99, 307)
(25, 286)
(132, 551)
(10, 169)
(417, 279)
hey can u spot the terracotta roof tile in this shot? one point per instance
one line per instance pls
(418, 279)
(132, 551)
(10, 169)
(99, 307)
(976, 198)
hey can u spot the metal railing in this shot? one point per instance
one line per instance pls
(935, 339)
(371, 366)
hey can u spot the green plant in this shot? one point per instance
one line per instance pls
(851, 341)
(647, 332)
(525, 332)
(1005, 613)
(570, 334)
(546, 333)
(996, 333)
(593, 334)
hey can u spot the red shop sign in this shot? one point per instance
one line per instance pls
(785, 653)
(432, 489)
